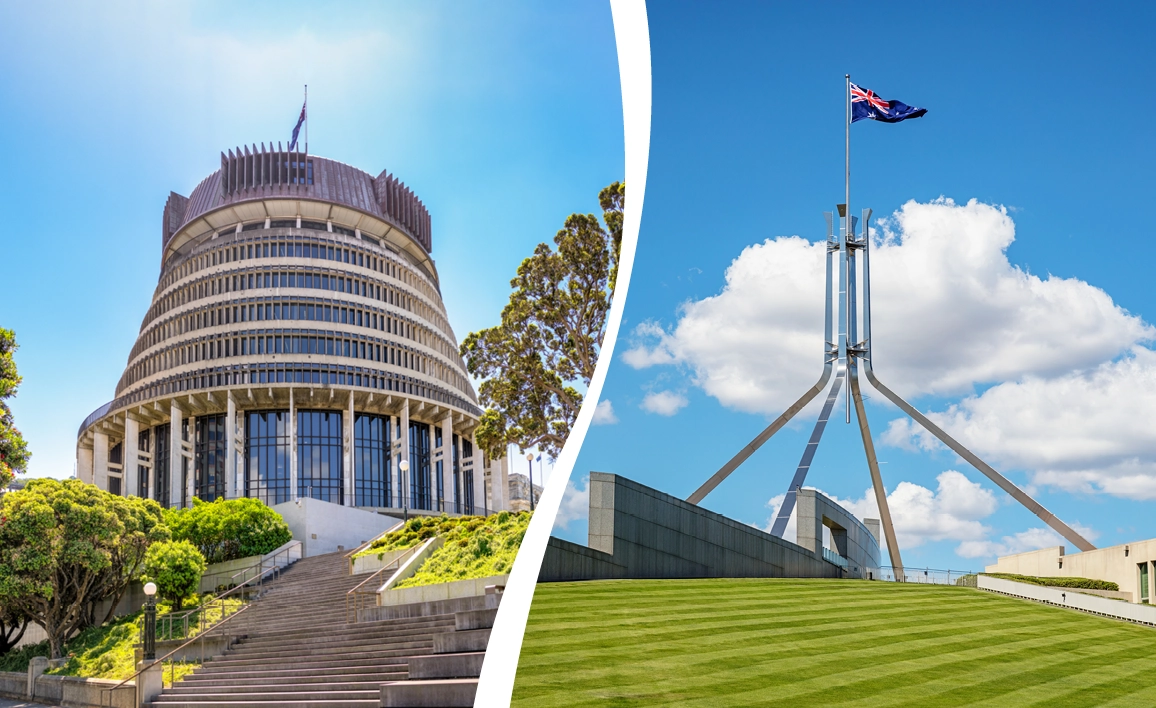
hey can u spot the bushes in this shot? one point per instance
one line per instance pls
(1077, 583)
(176, 567)
(225, 530)
(475, 547)
(415, 531)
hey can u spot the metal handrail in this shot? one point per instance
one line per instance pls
(356, 592)
(243, 587)
(172, 677)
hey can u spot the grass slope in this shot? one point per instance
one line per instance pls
(767, 642)
(475, 548)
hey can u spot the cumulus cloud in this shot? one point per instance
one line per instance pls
(1074, 380)
(953, 511)
(604, 413)
(1085, 431)
(575, 503)
(949, 312)
(664, 402)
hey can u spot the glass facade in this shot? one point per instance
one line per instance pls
(468, 479)
(142, 471)
(1143, 582)
(209, 483)
(371, 461)
(420, 496)
(457, 500)
(267, 453)
(161, 464)
(320, 464)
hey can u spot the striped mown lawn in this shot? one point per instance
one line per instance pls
(821, 642)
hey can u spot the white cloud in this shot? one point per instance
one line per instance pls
(604, 413)
(664, 402)
(949, 312)
(952, 512)
(575, 504)
(1086, 431)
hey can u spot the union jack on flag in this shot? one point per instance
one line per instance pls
(865, 103)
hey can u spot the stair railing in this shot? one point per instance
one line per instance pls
(349, 556)
(173, 662)
(353, 598)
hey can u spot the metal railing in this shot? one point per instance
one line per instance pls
(927, 576)
(835, 559)
(349, 556)
(353, 598)
(246, 590)
(216, 628)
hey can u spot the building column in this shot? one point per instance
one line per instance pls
(348, 442)
(84, 464)
(129, 463)
(499, 485)
(447, 464)
(100, 460)
(176, 455)
(403, 479)
(231, 447)
(292, 448)
(479, 481)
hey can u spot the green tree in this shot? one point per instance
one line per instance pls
(547, 343)
(66, 546)
(225, 530)
(13, 450)
(176, 567)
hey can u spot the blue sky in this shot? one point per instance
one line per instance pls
(503, 117)
(1037, 111)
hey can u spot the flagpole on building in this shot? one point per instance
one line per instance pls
(847, 235)
(306, 119)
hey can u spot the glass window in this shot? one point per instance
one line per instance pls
(209, 482)
(419, 466)
(163, 434)
(143, 471)
(267, 455)
(114, 485)
(320, 464)
(372, 461)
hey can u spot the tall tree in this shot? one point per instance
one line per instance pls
(547, 343)
(65, 546)
(13, 450)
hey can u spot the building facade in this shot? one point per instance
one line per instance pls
(1132, 566)
(296, 347)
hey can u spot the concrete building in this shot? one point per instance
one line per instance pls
(296, 346)
(519, 492)
(639, 532)
(1132, 566)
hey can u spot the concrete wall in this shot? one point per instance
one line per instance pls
(474, 587)
(1118, 564)
(322, 526)
(570, 561)
(850, 537)
(651, 534)
(1074, 599)
(66, 691)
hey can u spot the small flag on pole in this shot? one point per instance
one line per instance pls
(297, 129)
(865, 103)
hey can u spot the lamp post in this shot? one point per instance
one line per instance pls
(150, 622)
(530, 462)
(404, 467)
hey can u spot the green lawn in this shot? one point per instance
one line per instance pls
(822, 642)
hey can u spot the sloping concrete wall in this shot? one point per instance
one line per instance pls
(1119, 564)
(322, 527)
(850, 537)
(651, 534)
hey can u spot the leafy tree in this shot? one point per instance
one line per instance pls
(225, 530)
(547, 343)
(65, 546)
(13, 450)
(176, 567)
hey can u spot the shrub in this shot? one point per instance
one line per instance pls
(415, 531)
(176, 567)
(1048, 581)
(225, 530)
(474, 548)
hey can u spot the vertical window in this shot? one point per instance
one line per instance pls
(209, 480)
(371, 461)
(419, 466)
(267, 455)
(439, 482)
(468, 479)
(143, 471)
(320, 465)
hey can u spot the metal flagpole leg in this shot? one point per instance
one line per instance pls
(788, 506)
(876, 477)
(1003, 482)
(828, 364)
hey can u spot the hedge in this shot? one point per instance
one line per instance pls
(225, 530)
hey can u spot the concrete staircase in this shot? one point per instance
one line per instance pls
(299, 650)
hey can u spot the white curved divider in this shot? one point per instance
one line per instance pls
(632, 37)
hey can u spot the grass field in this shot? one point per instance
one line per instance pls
(822, 642)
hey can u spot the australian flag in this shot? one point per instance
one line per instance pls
(865, 103)
(297, 129)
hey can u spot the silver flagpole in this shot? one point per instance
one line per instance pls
(306, 119)
(847, 234)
